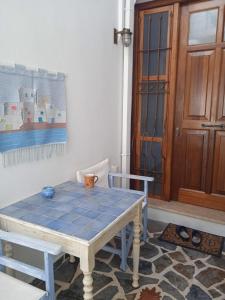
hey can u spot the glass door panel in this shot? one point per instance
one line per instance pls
(155, 37)
(152, 108)
(203, 27)
(152, 94)
(151, 165)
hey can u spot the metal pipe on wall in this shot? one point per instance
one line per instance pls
(127, 88)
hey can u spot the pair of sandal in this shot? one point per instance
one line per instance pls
(196, 237)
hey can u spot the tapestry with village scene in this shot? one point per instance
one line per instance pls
(32, 114)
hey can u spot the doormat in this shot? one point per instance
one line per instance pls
(211, 244)
(148, 294)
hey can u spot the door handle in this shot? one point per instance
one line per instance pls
(177, 131)
(222, 126)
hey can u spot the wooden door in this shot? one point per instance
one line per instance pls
(153, 95)
(199, 144)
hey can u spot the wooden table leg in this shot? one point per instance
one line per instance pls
(87, 262)
(88, 286)
(136, 248)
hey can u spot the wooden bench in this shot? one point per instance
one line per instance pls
(12, 288)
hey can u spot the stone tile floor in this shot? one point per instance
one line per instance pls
(177, 273)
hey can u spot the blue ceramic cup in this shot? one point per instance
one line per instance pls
(48, 192)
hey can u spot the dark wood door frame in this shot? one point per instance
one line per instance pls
(169, 109)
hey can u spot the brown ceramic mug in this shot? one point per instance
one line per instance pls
(90, 180)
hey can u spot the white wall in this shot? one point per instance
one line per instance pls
(74, 37)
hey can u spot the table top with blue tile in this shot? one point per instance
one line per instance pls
(74, 210)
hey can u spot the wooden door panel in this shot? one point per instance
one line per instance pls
(198, 85)
(219, 164)
(199, 150)
(202, 199)
(221, 100)
(195, 158)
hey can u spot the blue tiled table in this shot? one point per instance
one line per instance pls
(81, 220)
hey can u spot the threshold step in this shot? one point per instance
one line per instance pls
(193, 211)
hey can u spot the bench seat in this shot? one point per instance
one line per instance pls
(12, 288)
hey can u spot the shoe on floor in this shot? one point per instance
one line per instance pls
(183, 233)
(196, 238)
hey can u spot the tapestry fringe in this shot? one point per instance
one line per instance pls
(34, 153)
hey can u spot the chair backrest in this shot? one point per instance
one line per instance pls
(49, 250)
(100, 169)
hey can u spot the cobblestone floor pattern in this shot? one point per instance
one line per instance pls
(177, 273)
